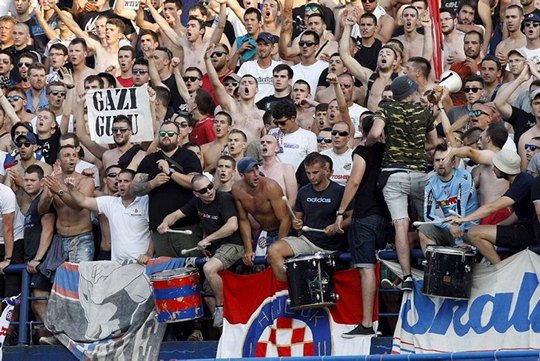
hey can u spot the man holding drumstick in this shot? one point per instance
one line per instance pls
(221, 240)
(316, 207)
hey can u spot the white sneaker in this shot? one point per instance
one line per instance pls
(218, 317)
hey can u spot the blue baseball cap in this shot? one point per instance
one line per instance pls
(246, 164)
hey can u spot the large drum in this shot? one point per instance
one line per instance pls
(310, 281)
(448, 272)
(177, 294)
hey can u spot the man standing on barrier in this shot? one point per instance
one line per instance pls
(315, 208)
(450, 190)
(220, 225)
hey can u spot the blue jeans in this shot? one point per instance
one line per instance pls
(78, 248)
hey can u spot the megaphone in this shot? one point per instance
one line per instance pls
(451, 80)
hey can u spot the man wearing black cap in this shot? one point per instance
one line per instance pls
(517, 235)
(262, 198)
(26, 146)
(262, 68)
(532, 32)
(407, 126)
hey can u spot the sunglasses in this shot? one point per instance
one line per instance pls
(209, 187)
(531, 147)
(139, 71)
(121, 130)
(280, 122)
(324, 140)
(14, 98)
(24, 64)
(368, 1)
(531, 23)
(306, 43)
(476, 113)
(25, 144)
(191, 78)
(312, 7)
(167, 133)
(57, 93)
(474, 90)
(233, 83)
(217, 54)
(112, 175)
(341, 133)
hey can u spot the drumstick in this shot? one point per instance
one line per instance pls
(308, 229)
(418, 223)
(186, 251)
(181, 231)
(454, 213)
(289, 206)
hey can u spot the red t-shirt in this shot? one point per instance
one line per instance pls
(125, 82)
(203, 132)
(208, 87)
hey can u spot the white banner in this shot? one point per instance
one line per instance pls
(503, 312)
(105, 104)
(130, 4)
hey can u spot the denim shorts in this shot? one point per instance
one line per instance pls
(402, 187)
(365, 236)
(78, 248)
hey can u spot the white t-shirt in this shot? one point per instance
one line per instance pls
(355, 112)
(130, 235)
(294, 146)
(531, 53)
(264, 77)
(8, 204)
(2, 160)
(342, 165)
(310, 74)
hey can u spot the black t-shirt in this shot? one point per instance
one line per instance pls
(213, 216)
(324, 74)
(266, 102)
(521, 121)
(319, 209)
(49, 147)
(177, 102)
(535, 197)
(87, 20)
(168, 197)
(38, 34)
(520, 192)
(367, 56)
(369, 199)
(300, 26)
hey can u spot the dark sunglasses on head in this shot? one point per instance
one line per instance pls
(25, 144)
(531, 147)
(341, 133)
(306, 43)
(209, 187)
(121, 130)
(167, 133)
(218, 54)
(476, 113)
(312, 7)
(139, 71)
(57, 92)
(233, 83)
(474, 90)
(531, 23)
(324, 140)
(112, 175)
(191, 78)
(14, 98)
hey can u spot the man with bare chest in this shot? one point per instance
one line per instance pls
(260, 197)
(73, 223)
(282, 173)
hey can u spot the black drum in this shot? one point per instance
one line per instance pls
(448, 272)
(310, 281)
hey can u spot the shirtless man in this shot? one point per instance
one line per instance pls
(305, 106)
(516, 39)
(225, 173)
(192, 42)
(236, 144)
(73, 223)
(172, 10)
(246, 114)
(415, 44)
(17, 99)
(260, 197)
(516, 62)
(122, 132)
(213, 150)
(78, 51)
(386, 63)
(533, 132)
(104, 55)
(26, 145)
(282, 173)
(385, 23)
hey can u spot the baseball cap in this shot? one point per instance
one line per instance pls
(268, 38)
(534, 16)
(246, 164)
(232, 76)
(402, 87)
(533, 94)
(30, 137)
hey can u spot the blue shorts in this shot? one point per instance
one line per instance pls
(366, 235)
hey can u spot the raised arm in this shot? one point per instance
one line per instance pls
(8, 109)
(502, 96)
(50, 33)
(222, 16)
(224, 99)
(141, 22)
(427, 51)
(478, 156)
(67, 18)
(80, 199)
(67, 79)
(120, 10)
(354, 67)
(484, 12)
(154, 74)
(164, 26)
(237, 9)
(286, 50)
(81, 129)
(342, 103)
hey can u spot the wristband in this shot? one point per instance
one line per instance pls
(7, 259)
(338, 213)
(37, 260)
